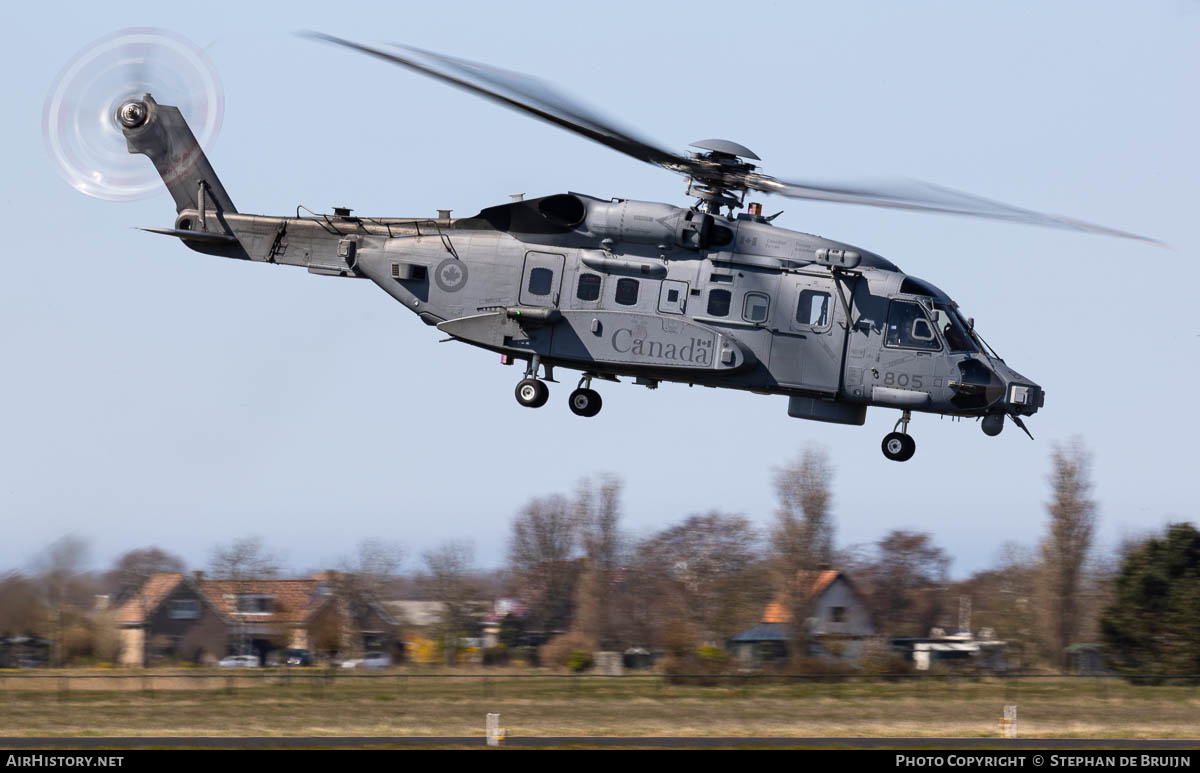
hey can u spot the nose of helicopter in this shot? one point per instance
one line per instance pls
(1022, 397)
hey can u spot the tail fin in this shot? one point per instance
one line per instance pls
(160, 132)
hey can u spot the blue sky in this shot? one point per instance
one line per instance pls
(155, 396)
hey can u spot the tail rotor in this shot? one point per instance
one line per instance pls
(101, 90)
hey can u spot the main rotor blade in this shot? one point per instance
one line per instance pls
(524, 93)
(926, 197)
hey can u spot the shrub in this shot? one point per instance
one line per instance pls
(496, 656)
(527, 655)
(579, 660)
(558, 651)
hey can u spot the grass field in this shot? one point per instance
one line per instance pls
(401, 704)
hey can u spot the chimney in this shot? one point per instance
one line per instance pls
(198, 575)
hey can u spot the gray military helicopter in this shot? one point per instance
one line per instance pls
(643, 290)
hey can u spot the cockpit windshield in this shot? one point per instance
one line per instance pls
(947, 320)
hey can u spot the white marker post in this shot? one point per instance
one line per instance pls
(1008, 725)
(495, 733)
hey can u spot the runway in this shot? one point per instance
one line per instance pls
(614, 742)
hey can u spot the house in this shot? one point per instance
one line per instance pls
(193, 619)
(838, 623)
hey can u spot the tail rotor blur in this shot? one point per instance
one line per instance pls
(99, 90)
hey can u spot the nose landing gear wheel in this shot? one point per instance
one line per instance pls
(532, 393)
(585, 402)
(899, 447)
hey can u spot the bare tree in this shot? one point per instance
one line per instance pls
(541, 549)
(704, 573)
(243, 559)
(449, 579)
(22, 606)
(906, 582)
(366, 579)
(1002, 599)
(802, 537)
(136, 566)
(60, 572)
(374, 566)
(598, 515)
(1066, 547)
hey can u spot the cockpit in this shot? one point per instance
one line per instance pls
(925, 324)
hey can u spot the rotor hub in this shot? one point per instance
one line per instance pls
(132, 113)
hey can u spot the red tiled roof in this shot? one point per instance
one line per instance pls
(813, 583)
(147, 599)
(292, 601)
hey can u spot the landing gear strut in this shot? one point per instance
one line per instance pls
(899, 446)
(532, 392)
(585, 401)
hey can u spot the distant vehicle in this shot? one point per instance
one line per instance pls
(370, 660)
(298, 658)
(239, 661)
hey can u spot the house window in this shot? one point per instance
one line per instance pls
(837, 614)
(183, 609)
(254, 604)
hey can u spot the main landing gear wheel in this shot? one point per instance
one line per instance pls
(532, 393)
(899, 447)
(585, 402)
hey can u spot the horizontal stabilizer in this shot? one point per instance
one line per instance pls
(193, 236)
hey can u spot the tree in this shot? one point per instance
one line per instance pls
(705, 573)
(243, 559)
(370, 573)
(906, 581)
(541, 549)
(60, 573)
(448, 567)
(1065, 547)
(598, 515)
(132, 570)
(22, 606)
(802, 537)
(366, 579)
(1153, 623)
(1002, 599)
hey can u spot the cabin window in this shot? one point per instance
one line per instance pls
(813, 308)
(589, 287)
(754, 309)
(718, 303)
(909, 328)
(627, 292)
(540, 281)
(837, 614)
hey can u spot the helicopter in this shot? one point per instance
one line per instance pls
(626, 289)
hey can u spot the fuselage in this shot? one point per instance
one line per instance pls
(662, 293)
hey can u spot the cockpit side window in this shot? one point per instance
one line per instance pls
(953, 330)
(909, 328)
